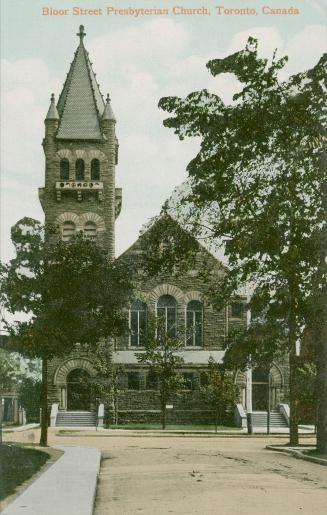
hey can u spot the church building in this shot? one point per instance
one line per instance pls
(80, 195)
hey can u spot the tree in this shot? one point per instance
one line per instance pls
(258, 185)
(107, 380)
(8, 370)
(307, 388)
(220, 392)
(30, 398)
(162, 357)
(68, 292)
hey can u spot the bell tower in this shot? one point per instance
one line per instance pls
(81, 153)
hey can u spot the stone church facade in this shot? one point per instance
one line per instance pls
(80, 195)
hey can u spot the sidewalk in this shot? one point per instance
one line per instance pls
(67, 487)
(303, 430)
(11, 429)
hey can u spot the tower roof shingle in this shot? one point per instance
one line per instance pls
(80, 105)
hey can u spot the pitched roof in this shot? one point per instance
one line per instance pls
(80, 104)
(137, 248)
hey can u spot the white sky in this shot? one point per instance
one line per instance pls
(137, 60)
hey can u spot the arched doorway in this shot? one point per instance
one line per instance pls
(79, 390)
(260, 385)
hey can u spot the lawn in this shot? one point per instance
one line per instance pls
(17, 464)
(179, 427)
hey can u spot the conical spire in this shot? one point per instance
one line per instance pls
(80, 104)
(53, 112)
(108, 113)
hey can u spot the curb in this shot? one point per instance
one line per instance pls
(18, 429)
(298, 454)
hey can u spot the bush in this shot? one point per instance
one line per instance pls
(30, 398)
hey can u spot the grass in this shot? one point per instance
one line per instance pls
(17, 464)
(180, 427)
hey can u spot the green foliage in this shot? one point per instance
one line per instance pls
(307, 392)
(307, 380)
(265, 339)
(256, 179)
(8, 370)
(30, 398)
(167, 247)
(70, 292)
(220, 392)
(162, 357)
(259, 184)
(106, 383)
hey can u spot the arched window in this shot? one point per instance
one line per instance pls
(138, 323)
(194, 324)
(78, 375)
(79, 170)
(167, 315)
(90, 230)
(260, 375)
(64, 170)
(95, 169)
(67, 230)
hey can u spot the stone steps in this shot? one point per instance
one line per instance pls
(260, 419)
(76, 419)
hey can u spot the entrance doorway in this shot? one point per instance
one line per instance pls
(79, 390)
(260, 386)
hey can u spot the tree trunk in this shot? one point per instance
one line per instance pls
(44, 404)
(216, 421)
(294, 433)
(163, 414)
(116, 410)
(322, 391)
(163, 402)
(322, 331)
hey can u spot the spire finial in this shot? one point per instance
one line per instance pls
(81, 33)
(108, 113)
(53, 112)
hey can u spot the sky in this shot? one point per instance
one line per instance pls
(138, 60)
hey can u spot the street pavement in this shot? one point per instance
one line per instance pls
(147, 475)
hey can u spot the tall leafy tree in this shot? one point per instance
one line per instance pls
(30, 398)
(221, 393)
(162, 355)
(107, 382)
(68, 292)
(258, 182)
